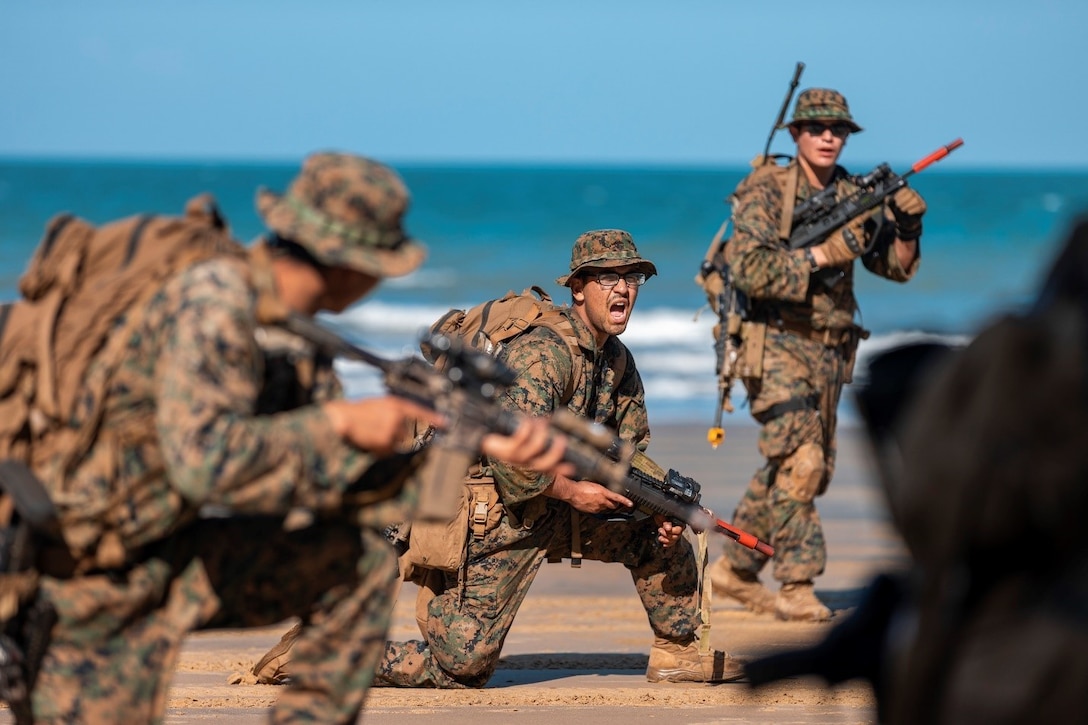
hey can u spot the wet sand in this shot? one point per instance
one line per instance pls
(578, 649)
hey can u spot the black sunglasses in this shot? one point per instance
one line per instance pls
(815, 128)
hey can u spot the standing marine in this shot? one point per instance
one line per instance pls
(799, 344)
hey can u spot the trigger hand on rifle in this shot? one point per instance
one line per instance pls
(534, 445)
(587, 496)
(668, 531)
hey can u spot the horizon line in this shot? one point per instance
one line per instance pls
(466, 162)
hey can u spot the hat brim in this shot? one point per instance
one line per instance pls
(643, 265)
(278, 216)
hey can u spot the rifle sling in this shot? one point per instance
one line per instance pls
(828, 336)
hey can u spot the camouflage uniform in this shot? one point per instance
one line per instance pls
(467, 622)
(213, 437)
(808, 353)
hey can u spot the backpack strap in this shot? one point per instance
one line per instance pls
(557, 321)
(789, 198)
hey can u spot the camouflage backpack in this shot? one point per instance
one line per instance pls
(82, 282)
(84, 286)
(490, 325)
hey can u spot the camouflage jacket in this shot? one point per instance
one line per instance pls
(192, 419)
(775, 279)
(545, 366)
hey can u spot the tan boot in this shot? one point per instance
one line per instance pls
(744, 586)
(797, 601)
(272, 668)
(675, 662)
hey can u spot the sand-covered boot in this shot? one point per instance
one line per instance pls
(797, 602)
(677, 662)
(272, 668)
(744, 586)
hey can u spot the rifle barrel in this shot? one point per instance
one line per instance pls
(742, 537)
(785, 107)
(331, 342)
(935, 156)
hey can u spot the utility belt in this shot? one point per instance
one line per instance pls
(828, 337)
(844, 340)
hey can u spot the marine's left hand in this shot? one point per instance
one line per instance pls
(907, 206)
(668, 532)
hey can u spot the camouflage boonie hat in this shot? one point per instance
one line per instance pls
(602, 249)
(346, 211)
(822, 104)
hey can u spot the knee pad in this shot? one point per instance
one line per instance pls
(801, 474)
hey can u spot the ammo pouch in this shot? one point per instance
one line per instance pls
(753, 334)
(441, 544)
(28, 522)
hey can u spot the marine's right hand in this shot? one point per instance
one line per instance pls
(587, 496)
(378, 424)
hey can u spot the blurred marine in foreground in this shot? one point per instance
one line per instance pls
(983, 460)
(174, 459)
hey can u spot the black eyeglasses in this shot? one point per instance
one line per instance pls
(815, 128)
(608, 280)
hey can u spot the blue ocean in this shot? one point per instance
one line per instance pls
(989, 236)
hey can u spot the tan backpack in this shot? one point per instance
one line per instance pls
(490, 325)
(84, 287)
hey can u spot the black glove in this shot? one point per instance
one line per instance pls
(907, 206)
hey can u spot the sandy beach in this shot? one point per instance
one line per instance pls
(579, 646)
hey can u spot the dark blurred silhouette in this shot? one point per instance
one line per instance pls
(982, 454)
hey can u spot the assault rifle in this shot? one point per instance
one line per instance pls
(822, 213)
(731, 306)
(465, 389)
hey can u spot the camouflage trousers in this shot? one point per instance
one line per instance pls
(118, 637)
(467, 623)
(799, 447)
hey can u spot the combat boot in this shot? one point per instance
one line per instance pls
(744, 586)
(272, 668)
(797, 602)
(677, 662)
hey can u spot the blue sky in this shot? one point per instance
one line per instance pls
(690, 82)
